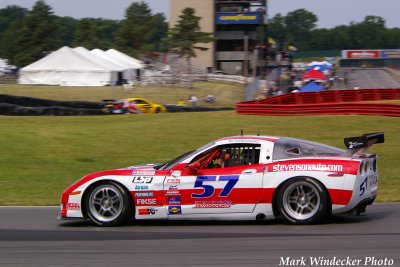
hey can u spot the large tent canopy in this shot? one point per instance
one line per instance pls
(116, 70)
(320, 63)
(66, 67)
(98, 60)
(312, 87)
(129, 70)
(76, 67)
(123, 58)
(313, 75)
(324, 66)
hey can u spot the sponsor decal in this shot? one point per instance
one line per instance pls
(144, 194)
(152, 211)
(172, 192)
(238, 18)
(174, 200)
(146, 201)
(212, 204)
(73, 206)
(354, 144)
(307, 167)
(390, 54)
(174, 210)
(142, 180)
(141, 187)
(209, 190)
(234, 141)
(143, 212)
(142, 172)
(173, 181)
(363, 54)
(176, 173)
(369, 183)
(149, 211)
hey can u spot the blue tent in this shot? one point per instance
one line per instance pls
(320, 68)
(312, 87)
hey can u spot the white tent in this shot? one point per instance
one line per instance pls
(3, 64)
(129, 70)
(125, 59)
(99, 60)
(67, 67)
(117, 70)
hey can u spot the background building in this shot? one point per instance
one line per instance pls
(240, 27)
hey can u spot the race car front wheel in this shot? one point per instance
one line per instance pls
(108, 204)
(303, 200)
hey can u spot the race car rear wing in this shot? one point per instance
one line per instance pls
(360, 144)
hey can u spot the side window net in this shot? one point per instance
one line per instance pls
(228, 156)
(240, 155)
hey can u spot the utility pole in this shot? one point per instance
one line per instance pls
(254, 73)
(255, 61)
(246, 57)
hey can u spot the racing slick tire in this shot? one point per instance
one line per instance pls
(158, 110)
(303, 200)
(108, 204)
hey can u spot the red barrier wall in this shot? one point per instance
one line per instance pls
(325, 102)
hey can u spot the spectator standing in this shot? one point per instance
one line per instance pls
(193, 99)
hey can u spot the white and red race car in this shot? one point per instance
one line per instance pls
(234, 178)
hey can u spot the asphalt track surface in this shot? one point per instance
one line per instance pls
(371, 79)
(32, 236)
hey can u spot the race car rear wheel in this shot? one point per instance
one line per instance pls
(303, 201)
(108, 204)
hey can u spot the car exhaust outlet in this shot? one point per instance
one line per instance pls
(260, 217)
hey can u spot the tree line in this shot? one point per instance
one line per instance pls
(28, 35)
(298, 28)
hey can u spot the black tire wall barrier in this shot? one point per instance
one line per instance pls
(30, 106)
(39, 102)
(15, 110)
(177, 108)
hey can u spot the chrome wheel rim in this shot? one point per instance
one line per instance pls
(105, 203)
(301, 200)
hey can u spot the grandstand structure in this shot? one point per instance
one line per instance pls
(240, 28)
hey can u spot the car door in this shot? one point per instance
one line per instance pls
(145, 106)
(205, 187)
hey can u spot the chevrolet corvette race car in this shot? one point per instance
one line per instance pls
(134, 106)
(234, 178)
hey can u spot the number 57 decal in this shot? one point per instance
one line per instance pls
(209, 189)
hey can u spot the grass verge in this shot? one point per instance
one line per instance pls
(226, 94)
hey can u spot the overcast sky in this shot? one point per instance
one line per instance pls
(330, 13)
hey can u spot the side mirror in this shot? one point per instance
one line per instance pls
(194, 168)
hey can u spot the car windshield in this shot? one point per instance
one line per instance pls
(174, 162)
(139, 101)
(287, 148)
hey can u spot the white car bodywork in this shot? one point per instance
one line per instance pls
(248, 187)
